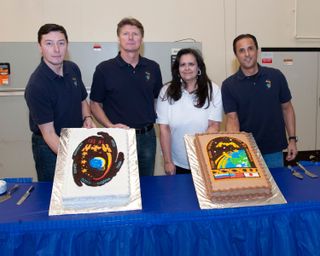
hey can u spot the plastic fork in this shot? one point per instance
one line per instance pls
(307, 172)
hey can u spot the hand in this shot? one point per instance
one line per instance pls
(89, 123)
(119, 125)
(292, 150)
(169, 168)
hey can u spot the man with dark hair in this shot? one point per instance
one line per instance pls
(257, 99)
(56, 97)
(243, 36)
(123, 92)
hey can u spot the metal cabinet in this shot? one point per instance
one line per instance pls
(301, 68)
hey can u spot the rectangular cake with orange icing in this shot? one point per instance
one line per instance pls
(231, 168)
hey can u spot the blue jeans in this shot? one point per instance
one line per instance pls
(146, 148)
(274, 160)
(44, 157)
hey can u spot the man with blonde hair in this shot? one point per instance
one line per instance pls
(123, 92)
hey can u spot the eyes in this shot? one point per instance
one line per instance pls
(187, 64)
(130, 34)
(60, 43)
(249, 49)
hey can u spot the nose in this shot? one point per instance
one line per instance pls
(56, 48)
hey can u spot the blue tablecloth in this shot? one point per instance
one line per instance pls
(171, 223)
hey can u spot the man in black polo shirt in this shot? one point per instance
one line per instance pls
(123, 92)
(257, 99)
(56, 97)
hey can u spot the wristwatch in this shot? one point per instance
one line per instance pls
(295, 138)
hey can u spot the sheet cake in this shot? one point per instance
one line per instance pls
(96, 171)
(230, 167)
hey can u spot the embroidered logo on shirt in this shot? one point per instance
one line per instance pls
(75, 82)
(148, 75)
(268, 84)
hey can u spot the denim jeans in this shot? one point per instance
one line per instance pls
(146, 148)
(44, 157)
(274, 160)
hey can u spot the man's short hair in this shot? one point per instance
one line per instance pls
(132, 22)
(239, 37)
(50, 27)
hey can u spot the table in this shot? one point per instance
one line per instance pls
(171, 223)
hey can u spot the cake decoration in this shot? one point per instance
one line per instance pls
(230, 167)
(96, 171)
(230, 157)
(96, 160)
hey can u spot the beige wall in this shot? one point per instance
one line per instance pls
(215, 23)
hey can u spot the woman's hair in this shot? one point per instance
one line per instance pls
(204, 89)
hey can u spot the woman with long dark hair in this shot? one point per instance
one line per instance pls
(188, 104)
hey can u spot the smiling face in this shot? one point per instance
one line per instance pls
(188, 68)
(53, 47)
(247, 54)
(130, 38)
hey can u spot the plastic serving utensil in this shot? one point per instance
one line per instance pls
(312, 158)
(9, 193)
(295, 173)
(307, 172)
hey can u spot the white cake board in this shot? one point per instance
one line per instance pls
(56, 204)
(206, 203)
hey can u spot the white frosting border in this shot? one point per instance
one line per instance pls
(56, 206)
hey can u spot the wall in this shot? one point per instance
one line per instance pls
(215, 23)
(96, 20)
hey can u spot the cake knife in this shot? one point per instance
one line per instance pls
(295, 173)
(25, 195)
(8, 195)
(307, 172)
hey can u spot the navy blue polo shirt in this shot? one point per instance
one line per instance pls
(257, 100)
(126, 93)
(54, 98)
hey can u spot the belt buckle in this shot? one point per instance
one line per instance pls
(144, 129)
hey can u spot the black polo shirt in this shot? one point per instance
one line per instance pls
(127, 93)
(54, 98)
(257, 100)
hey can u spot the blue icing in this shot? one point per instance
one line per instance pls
(97, 163)
(237, 158)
